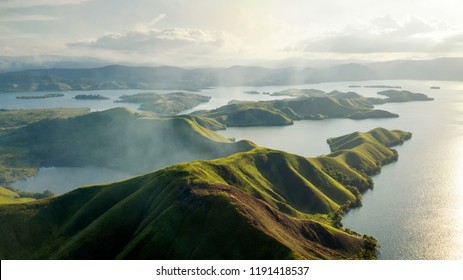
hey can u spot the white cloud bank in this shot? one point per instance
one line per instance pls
(386, 35)
(172, 44)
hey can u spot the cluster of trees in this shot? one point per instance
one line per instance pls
(35, 195)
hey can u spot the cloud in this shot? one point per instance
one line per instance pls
(13, 4)
(386, 35)
(171, 41)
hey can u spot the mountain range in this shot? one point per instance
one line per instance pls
(167, 77)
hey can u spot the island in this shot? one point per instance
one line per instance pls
(256, 204)
(382, 86)
(90, 97)
(165, 104)
(404, 96)
(252, 92)
(49, 95)
(285, 112)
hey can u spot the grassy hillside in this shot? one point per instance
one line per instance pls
(367, 152)
(284, 112)
(258, 204)
(9, 197)
(115, 138)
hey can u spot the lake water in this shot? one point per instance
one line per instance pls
(60, 180)
(416, 208)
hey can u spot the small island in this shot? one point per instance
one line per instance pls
(404, 96)
(382, 86)
(49, 95)
(252, 92)
(165, 104)
(90, 97)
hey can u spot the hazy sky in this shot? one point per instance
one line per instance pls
(226, 32)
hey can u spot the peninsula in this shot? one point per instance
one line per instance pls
(255, 204)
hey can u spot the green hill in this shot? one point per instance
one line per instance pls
(284, 112)
(367, 152)
(258, 204)
(115, 138)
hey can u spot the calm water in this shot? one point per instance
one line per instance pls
(63, 179)
(416, 208)
(9, 100)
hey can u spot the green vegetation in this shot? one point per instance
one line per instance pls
(367, 152)
(257, 204)
(284, 112)
(165, 104)
(404, 96)
(8, 196)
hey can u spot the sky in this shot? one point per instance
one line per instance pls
(229, 32)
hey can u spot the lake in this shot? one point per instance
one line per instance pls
(60, 180)
(416, 208)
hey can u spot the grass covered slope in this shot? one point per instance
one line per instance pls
(8, 197)
(115, 138)
(258, 204)
(284, 112)
(222, 209)
(369, 151)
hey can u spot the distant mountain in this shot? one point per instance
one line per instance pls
(437, 69)
(19, 63)
(167, 77)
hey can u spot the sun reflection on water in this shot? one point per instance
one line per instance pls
(457, 253)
